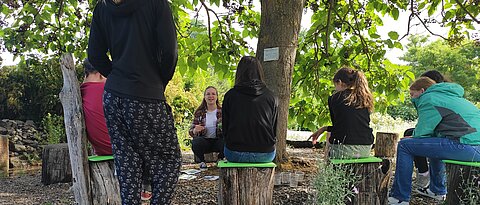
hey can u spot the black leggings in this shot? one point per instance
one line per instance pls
(145, 146)
(202, 146)
(420, 162)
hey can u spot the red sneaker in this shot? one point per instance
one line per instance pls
(146, 195)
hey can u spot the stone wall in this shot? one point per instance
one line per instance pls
(25, 142)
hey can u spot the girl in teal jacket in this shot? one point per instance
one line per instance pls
(448, 128)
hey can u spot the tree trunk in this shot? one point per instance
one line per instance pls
(75, 129)
(4, 163)
(279, 28)
(463, 184)
(373, 184)
(386, 144)
(56, 166)
(105, 187)
(251, 185)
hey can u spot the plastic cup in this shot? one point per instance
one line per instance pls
(286, 177)
(293, 180)
(300, 176)
(278, 179)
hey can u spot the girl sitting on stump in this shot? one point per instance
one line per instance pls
(350, 107)
(447, 128)
(249, 116)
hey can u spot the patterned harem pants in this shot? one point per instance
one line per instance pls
(145, 146)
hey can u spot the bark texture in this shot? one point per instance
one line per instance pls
(463, 184)
(4, 163)
(386, 144)
(56, 166)
(240, 186)
(75, 129)
(373, 184)
(279, 27)
(104, 183)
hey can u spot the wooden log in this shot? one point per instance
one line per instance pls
(104, 183)
(463, 184)
(239, 186)
(373, 183)
(372, 176)
(4, 159)
(71, 99)
(386, 144)
(209, 157)
(56, 164)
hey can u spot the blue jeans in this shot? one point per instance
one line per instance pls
(435, 149)
(234, 156)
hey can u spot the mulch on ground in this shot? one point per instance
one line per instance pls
(26, 187)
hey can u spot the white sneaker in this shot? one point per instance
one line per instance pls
(393, 200)
(203, 166)
(428, 193)
(422, 181)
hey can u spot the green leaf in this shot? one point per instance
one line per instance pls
(393, 35)
(374, 35)
(395, 13)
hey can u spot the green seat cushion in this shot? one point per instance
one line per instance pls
(359, 160)
(472, 164)
(227, 164)
(96, 158)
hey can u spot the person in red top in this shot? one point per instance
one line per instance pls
(97, 132)
(92, 92)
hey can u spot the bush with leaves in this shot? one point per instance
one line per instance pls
(54, 126)
(334, 184)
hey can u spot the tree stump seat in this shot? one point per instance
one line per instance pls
(103, 182)
(246, 183)
(374, 179)
(463, 181)
(56, 166)
(209, 157)
(4, 158)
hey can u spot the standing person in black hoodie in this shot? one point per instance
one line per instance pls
(141, 39)
(350, 107)
(249, 116)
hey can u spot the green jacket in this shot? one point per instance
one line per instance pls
(443, 112)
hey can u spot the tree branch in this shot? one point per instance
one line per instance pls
(466, 11)
(426, 27)
(412, 14)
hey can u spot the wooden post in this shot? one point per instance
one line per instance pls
(104, 183)
(386, 144)
(75, 129)
(56, 166)
(463, 184)
(4, 163)
(250, 185)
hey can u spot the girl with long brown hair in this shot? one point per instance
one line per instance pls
(350, 107)
(206, 128)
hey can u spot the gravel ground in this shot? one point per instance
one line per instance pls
(26, 187)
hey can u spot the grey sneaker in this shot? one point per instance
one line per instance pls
(203, 166)
(428, 193)
(393, 200)
(422, 181)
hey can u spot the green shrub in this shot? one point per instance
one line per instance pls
(404, 111)
(334, 184)
(54, 127)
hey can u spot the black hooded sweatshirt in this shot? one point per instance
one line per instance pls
(249, 118)
(140, 37)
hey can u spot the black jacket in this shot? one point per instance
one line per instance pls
(140, 37)
(250, 118)
(351, 126)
